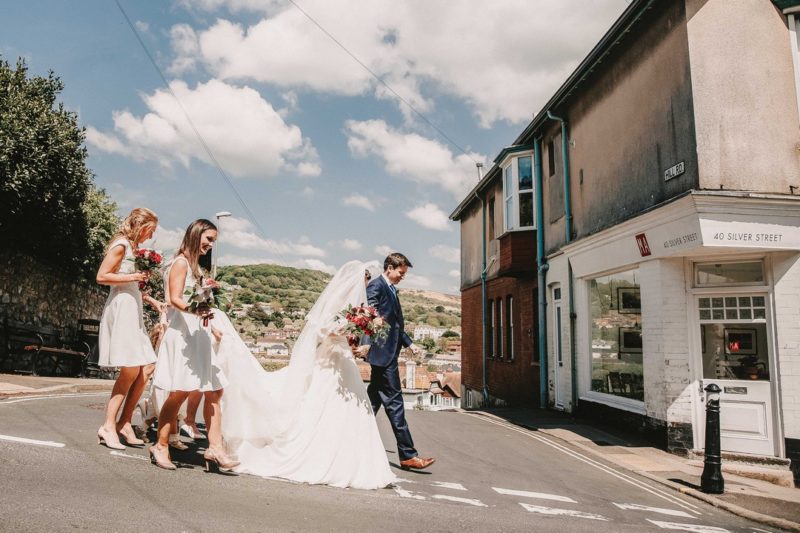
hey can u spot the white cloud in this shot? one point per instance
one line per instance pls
(414, 157)
(359, 200)
(383, 250)
(167, 240)
(430, 216)
(454, 274)
(307, 192)
(415, 281)
(348, 244)
(410, 45)
(245, 134)
(240, 233)
(316, 264)
(184, 44)
(445, 253)
(142, 26)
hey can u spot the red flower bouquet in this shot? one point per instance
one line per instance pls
(147, 260)
(363, 320)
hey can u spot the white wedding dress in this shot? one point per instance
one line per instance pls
(311, 421)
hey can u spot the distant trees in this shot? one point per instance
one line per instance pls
(51, 210)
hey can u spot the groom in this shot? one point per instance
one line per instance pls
(384, 384)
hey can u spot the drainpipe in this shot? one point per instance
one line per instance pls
(568, 231)
(484, 267)
(541, 269)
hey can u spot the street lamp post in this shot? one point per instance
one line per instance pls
(221, 214)
(711, 481)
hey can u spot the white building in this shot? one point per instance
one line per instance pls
(428, 332)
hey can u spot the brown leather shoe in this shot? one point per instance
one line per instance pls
(417, 463)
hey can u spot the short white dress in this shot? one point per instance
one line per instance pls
(187, 356)
(123, 338)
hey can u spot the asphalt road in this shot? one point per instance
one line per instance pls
(489, 476)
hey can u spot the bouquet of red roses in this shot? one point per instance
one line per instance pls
(147, 260)
(363, 320)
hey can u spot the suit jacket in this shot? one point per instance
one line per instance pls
(381, 297)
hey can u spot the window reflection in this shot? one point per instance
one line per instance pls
(617, 348)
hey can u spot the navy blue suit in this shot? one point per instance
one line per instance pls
(384, 385)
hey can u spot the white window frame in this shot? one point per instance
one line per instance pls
(761, 283)
(511, 170)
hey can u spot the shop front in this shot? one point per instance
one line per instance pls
(703, 290)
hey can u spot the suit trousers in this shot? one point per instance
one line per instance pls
(385, 389)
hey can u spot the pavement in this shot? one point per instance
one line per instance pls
(753, 499)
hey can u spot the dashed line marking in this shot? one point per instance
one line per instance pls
(692, 528)
(619, 474)
(22, 440)
(128, 455)
(51, 396)
(661, 510)
(538, 495)
(468, 501)
(561, 512)
(447, 485)
(401, 480)
(403, 493)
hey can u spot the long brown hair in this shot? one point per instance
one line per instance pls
(190, 246)
(134, 224)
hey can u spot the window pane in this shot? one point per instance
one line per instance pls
(729, 273)
(526, 210)
(705, 303)
(510, 213)
(731, 314)
(705, 314)
(735, 351)
(718, 314)
(730, 302)
(759, 313)
(509, 184)
(617, 347)
(745, 314)
(758, 301)
(524, 173)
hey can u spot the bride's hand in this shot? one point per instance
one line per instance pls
(361, 351)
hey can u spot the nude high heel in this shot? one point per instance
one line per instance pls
(217, 460)
(160, 458)
(130, 437)
(109, 438)
(175, 442)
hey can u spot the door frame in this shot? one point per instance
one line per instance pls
(696, 357)
(558, 344)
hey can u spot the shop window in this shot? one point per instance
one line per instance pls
(719, 274)
(616, 342)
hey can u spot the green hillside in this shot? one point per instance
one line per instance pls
(291, 292)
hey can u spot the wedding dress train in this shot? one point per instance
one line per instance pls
(311, 421)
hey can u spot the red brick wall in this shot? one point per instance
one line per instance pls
(515, 382)
(518, 252)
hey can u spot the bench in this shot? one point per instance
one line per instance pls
(39, 347)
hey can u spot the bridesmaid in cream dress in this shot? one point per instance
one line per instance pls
(187, 359)
(123, 341)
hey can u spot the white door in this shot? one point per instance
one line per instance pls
(735, 354)
(558, 350)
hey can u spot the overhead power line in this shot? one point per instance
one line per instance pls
(248, 213)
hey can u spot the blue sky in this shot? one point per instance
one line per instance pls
(331, 164)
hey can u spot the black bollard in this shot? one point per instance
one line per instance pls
(711, 481)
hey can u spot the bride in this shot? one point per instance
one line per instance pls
(311, 421)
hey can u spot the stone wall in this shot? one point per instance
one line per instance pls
(38, 295)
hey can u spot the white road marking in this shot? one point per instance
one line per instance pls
(23, 440)
(447, 485)
(562, 512)
(401, 480)
(692, 528)
(596, 464)
(129, 456)
(51, 396)
(408, 494)
(661, 510)
(476, 503)
(539, 495)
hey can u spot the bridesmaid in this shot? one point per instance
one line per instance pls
(187, 359)
(123, 341)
